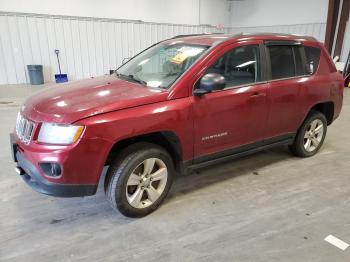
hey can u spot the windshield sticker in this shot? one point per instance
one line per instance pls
(179, 58)
(185, 52)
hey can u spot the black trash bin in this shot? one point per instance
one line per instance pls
(35, 74)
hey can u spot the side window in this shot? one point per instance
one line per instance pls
(312, 58)
(282, 61)
(239, 66)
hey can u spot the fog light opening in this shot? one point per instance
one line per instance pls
(51, 169)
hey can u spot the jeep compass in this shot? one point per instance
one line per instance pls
(181, 104)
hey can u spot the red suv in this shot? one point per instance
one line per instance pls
(181, 104)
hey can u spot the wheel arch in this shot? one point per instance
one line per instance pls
(166, 139)
(326, 108)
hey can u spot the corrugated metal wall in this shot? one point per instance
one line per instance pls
(91, 46)
(88, 46)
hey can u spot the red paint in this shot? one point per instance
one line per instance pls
(112, 110)
(73, 101)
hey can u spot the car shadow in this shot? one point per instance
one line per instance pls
(97, 207)
(248, 165)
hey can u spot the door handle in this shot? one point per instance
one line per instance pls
(257, 94)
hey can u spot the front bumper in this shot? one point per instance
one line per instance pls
(31, 175)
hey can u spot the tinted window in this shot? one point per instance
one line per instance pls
(312, 58)
(282, 61)
(239, 66)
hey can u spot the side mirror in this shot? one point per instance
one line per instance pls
(210, 82)
(200, 92)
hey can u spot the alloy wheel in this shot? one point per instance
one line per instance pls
(146, 183)
(313, 135)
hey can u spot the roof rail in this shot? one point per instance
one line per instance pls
(179, 36)
(271, 34)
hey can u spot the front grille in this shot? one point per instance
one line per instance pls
(24, 129)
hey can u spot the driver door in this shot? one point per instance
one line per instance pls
(236, 115)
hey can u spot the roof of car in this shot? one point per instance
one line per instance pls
(212, 39)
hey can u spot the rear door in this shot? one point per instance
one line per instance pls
(285, 86)
(236, 115)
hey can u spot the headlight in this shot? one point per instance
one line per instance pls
(59, 134)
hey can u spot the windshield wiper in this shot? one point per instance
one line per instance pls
(138, 80)
(132, 78)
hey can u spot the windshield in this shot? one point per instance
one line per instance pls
(161, 65)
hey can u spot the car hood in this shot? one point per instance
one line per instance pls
(70, 102)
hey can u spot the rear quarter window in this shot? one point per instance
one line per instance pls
(312, 58)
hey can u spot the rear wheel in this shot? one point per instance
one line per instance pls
(310, 136)
(139, 180)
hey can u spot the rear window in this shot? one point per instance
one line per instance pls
(312, 58)
(282, 62)
(286, 61)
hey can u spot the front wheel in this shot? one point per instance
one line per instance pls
(310, 136)
(139, 181)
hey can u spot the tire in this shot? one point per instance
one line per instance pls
(310, 136)
(139, 179)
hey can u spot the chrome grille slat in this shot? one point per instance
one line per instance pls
(24, 129)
